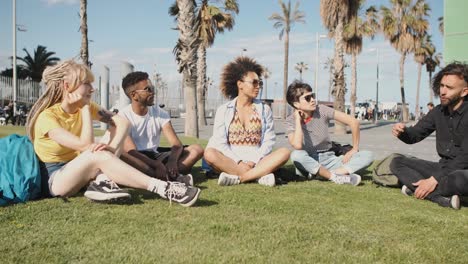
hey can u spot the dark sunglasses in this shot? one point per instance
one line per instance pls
(255, 83)
(309, 97)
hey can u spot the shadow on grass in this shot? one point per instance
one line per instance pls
(138, 197)
(205, 203)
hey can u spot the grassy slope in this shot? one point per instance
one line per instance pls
(298, 222)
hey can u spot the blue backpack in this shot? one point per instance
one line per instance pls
(20, 178)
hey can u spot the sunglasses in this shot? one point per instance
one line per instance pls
(309, 97)
(147, 89)
(255, 83)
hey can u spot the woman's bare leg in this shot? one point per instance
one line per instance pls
(220, 163)
(268, 164)
(78, 172)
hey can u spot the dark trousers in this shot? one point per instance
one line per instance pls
(410, 170)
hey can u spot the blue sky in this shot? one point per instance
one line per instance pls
(140, 32)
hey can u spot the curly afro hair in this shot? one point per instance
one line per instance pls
(235, 71)
(132, 79)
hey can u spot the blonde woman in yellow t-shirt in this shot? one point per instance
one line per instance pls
(60, 127)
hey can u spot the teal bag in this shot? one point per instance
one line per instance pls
(20, 177)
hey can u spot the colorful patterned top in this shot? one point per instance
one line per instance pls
(250, 135)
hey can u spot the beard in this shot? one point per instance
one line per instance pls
(450, 102)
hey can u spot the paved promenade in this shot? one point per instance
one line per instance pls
(376, 138)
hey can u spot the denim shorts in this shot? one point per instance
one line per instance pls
(48, 171)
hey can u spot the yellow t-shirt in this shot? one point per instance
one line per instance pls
(54, 117)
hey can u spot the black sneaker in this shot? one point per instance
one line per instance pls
(105, 191)
(181, 193)
(451, 202)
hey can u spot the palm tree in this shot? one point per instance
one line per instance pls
(300, 67)
(401, 25)
(265, 75)
(284, 22)
(423, 45)
(185, 52)
(441, 24)
(335, 14)
(424, 49)
(432, 61)
(212, 19)
(20, 72)
(353, 33)
(37, 63)
(84, 53)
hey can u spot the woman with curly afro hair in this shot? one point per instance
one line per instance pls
(243, 136)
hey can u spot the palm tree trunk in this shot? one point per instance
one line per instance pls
(353, 83)
(285, 80)
(416, 110)
(338, 62)
(201, 85)
(431, 93)
(188, 37)
(404, 109)
(300, 75)
(330, 82)
(84, 53)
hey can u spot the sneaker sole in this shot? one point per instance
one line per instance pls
(359, 181)
(455, 202)
(193, 201)
(404, 191)
(98, 197)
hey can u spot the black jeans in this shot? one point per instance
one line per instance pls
(410, 170)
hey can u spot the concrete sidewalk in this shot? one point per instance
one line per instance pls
(376, 138)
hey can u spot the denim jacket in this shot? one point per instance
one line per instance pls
(223, 119)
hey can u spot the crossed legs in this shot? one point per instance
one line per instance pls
(270, 163)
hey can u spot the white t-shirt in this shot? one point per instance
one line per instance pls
(145, 131)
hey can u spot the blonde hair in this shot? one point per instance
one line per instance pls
(53, 77)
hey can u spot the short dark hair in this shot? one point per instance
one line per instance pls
(295, 90)
(131, 79)
(235, 71)
(430, 104)
(455, 68)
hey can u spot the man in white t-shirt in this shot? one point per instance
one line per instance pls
(147, 121)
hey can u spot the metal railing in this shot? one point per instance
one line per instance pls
(27, 91)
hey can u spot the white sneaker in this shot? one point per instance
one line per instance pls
(267, 180)
(181, 193)
(187, 179)
(228, 179)
(352, 179)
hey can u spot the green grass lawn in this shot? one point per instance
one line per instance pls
(299, 222)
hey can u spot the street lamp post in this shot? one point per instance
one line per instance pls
(317, 47)
(376, 109)
(15, 77)
(242, 51)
